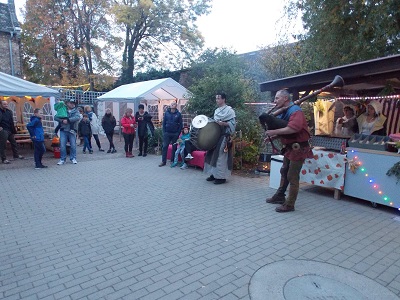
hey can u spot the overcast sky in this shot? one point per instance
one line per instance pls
(243, 26)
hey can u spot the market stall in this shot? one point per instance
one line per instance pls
(363, 171)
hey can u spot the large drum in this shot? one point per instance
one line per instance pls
(204, 133)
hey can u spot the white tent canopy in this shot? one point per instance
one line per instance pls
(14, 86)
(159, 89)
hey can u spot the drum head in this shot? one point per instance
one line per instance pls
(200, 121)
(208, 136)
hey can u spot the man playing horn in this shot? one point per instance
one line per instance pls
(219, 160)
(294, 137)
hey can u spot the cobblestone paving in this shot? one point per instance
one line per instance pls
(117, 228)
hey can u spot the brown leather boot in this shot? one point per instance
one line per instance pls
(284, 208)
(276, 199)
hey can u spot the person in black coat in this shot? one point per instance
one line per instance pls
(108, 123)
(7, 131)
(145, 128)
(85, 131)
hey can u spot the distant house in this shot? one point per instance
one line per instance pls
(10, 42)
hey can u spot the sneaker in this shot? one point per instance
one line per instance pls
(219, 181)
(173, 165)
(19, 157)
(189, 156)
(74, 161)
(6, 162)
(90, 151)
(61, 162)
(101, 150)
(210, 178)
(84, 152)
(109, 151)
(43, 167)
(184, 166)
(37, 168)
(113, 151)
(162, 164)
(144, 154)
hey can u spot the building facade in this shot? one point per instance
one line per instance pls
(10, 42)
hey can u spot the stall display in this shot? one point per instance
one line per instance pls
(367, 177)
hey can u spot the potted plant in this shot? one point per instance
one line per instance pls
(395, 170)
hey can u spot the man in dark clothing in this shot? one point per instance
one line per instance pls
(172, 127)
(7, 131)
(143, 119)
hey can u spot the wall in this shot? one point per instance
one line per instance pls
(5, 66)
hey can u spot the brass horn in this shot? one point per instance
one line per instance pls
(337, 82)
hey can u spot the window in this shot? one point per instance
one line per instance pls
(27, 113)
(12, 107)
(47, 120)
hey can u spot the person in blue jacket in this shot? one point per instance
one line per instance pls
(172, 126)
(36, 132)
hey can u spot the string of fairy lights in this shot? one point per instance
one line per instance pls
(369, 98)
(371, 180)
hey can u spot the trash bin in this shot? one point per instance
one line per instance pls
(55, 143)
(275, 174)
(57, 152)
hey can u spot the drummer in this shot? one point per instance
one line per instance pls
(219, 161)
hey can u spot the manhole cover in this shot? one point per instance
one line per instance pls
(319, 287)
(311, 280)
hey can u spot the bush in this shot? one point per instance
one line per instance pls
(155, 141)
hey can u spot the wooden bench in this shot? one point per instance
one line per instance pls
(23, 142)
(197, 161)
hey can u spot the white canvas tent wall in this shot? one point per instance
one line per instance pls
(24, 96)
(159, 91)
(14, 86)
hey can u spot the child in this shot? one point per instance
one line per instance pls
(85, 131)
(62, 112)
(36, 132)
(181, 150)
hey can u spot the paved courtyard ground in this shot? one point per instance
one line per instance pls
(117, 228)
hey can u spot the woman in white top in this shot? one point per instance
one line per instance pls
(372, 122)
(94, 125)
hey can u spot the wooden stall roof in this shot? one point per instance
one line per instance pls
(367, 75)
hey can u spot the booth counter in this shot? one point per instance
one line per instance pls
(366, 178)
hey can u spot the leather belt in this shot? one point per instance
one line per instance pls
(297, 145)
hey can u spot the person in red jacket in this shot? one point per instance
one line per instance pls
(128, 131)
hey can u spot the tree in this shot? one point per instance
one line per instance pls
(343, 31)
(61, 41)
(153, 26)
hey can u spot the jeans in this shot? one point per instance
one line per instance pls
(40, 149)
(128, 138)
(169, 138)
(66, 136)
(110, 139)
(86, 143)
(181, 151)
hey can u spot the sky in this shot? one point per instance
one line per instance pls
(242, 26)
